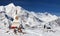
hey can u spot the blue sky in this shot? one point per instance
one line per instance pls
(50, 6)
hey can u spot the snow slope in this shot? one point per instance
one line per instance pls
(32, 22)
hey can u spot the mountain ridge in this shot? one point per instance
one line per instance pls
(33, 23)
(11, 9)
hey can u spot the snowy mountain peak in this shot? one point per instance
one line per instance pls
(11, 5)
(26, 16)
(29, 22)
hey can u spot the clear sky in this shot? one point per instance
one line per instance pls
(50, 6)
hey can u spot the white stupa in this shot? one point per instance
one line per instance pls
(15, 21)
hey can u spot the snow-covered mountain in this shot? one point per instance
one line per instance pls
(28, 19)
